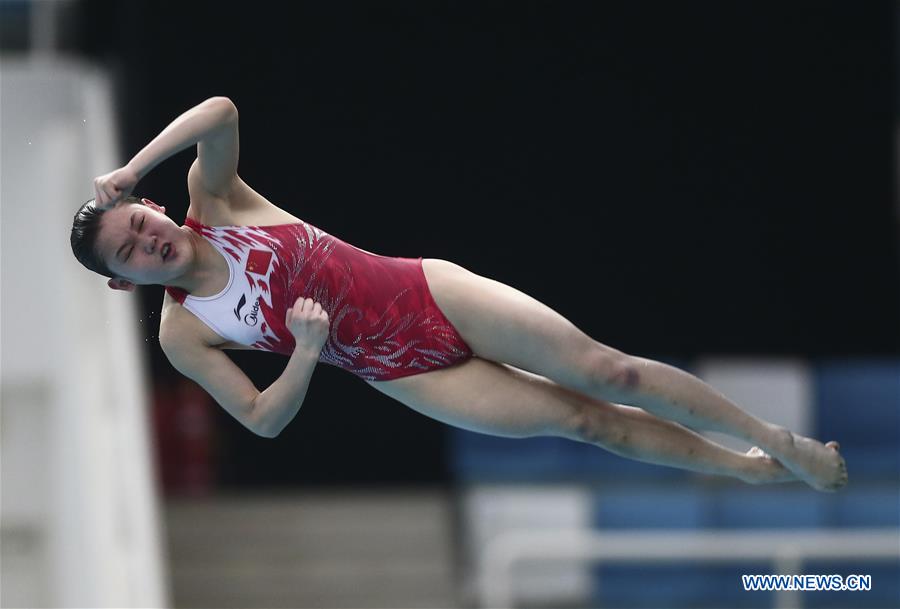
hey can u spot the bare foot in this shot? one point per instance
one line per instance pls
(767, 468)
(819, 465)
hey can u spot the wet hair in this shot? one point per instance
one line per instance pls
(85, 228)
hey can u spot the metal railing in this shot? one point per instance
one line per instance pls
(786, 549)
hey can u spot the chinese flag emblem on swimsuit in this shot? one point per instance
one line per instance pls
(258, 262)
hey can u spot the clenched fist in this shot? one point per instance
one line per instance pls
(114, 186)
(308, 322)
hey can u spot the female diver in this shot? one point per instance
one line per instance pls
(461, 348)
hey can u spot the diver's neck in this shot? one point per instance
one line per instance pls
(206, 271)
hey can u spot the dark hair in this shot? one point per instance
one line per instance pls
(85, 228)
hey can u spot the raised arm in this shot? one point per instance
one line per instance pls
(211, 124)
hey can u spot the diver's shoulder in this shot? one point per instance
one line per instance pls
(178, 327)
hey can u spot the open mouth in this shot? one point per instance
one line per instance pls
(166, 251)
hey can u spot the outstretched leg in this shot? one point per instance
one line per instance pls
(503, 324)
(680, 396)
(502, 400)
(645, 437)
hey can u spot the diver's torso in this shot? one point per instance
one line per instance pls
(246, 207)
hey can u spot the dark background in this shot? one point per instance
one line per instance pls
(675, 178)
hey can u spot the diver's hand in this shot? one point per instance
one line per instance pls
(114, 186)
(308, 322)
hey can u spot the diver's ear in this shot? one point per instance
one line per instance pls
(120, 284)
(153, 205)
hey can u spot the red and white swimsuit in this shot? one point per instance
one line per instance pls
(383, 321)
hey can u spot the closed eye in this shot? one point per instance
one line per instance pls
(139, 230)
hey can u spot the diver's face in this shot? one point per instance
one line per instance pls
(131, 241)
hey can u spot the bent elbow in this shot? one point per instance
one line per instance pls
(226, 104)
(265, 433)
(255, 421)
